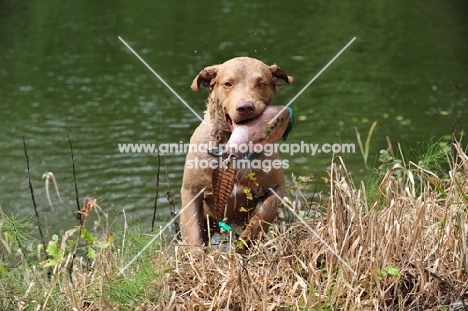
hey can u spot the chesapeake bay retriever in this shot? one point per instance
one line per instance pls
(239, 90)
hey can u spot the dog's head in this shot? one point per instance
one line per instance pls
(240, 89)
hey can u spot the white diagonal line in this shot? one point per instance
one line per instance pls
(161, 79)
(159, 233)
(313, 79)
(314, 232)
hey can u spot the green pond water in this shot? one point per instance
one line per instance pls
(63, 71)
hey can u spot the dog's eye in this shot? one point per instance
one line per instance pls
(262, 85)
(227, 84)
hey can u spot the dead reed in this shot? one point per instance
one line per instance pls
(408, 247)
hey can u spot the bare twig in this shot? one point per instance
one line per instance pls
(168, 192)
(31, 190)
(156, 196)
(78, 215)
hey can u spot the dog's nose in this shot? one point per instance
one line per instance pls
(245, 108)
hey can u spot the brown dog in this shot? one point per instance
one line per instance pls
(240, 89)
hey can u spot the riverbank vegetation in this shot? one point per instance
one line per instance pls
(397, 241)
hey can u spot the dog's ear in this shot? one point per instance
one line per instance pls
(204, 78)
(279, 73)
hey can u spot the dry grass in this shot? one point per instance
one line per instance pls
(405, 248)
(408, 248)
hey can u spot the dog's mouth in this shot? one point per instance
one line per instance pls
(232, 125)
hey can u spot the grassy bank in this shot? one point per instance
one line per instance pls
(397, 242)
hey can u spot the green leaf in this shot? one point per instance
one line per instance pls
(91, 253)
(53, 250)
(389, 270)
(251, 176)
(86, 235)
(392, 271)
(247, 193)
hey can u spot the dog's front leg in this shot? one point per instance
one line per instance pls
(265, 215)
